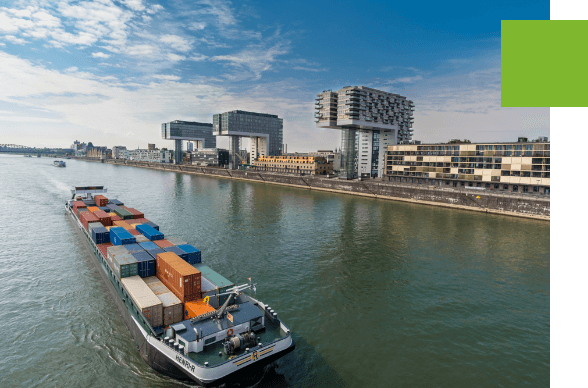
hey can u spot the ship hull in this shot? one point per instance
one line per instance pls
(158, 356)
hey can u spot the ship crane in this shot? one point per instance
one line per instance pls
(232, 292)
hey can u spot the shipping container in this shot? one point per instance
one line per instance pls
(103, 217)
(122, 213)
(92, 208)
(215, 278)
(114, 250)
(119, 236)
(86, 218)
(173, 309)
(163, 243)
(100, 200)
(148, 245)
(133, 248)
(80, 211)
(176, 241)
(115, 202)
(147, 302)
(78, 205)
(154, 251)
(136, 214)
(180, 277)
(141, 239)
(112, 207)
(123, 263)
(210, 290)
(134, 232)
(178, 252)
(88, 202)
(153, 225)
(196, 308)
(122, 224)
(92, 225)
(149, 232)
(104, 208)
(142, 221)
(145, 263)
(194, 255)
(100, 235)
(115, 218)
(103, 248)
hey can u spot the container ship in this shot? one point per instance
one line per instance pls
(188, 321)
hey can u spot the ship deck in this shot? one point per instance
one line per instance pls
(210, 354)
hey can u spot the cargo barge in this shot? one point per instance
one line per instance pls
(188, 321)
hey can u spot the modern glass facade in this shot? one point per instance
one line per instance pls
(189, 130)
(348, 154)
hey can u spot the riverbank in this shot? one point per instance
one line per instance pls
(481, 201)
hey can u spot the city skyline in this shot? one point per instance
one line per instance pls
(111, 73)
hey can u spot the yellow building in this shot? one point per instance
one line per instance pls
(313, 165)
(516, 167)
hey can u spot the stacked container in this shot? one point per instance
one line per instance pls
(178, 252)
(193, 255)
(145, 263)
(173, 309)
(163, 243)
(103, 249)
(115, 202)
(100, 235)
(122, 213)
(122, 224)
(86, 218)
(103, 218)
(147, 302)
(149, 232)
(100, 200)
(93, 208)
(216, 279)
(119, 236)
(194, 309)
(180, 277)
(122, 262)
(78, 205)
(140, 239)
(136, 214)
(153, 225)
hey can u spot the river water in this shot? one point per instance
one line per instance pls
(377, 293)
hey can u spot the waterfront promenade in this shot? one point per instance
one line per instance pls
(509, 204)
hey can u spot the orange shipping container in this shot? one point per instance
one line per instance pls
(180, 277)
(194, 309)
(93, 209)
(163, 243)
(122, 224)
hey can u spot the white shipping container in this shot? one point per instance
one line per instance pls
(173, 308)
(147, 302)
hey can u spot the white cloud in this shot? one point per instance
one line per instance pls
(175, 58)
(255, 59)
(308, 69)
(198, 58)
(176, 42)
(101, 55)
(15, 40)
(135, 5)
(154, 8)
(197, 26)
(141, 50)
(167, 77)
(406, 80)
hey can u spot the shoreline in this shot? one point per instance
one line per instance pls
(351, 190)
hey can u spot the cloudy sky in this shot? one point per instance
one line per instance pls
(111, 72)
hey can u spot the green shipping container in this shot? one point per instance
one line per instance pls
(215, 278)
(124, 214)
(122, 262)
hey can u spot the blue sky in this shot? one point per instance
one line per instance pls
(111, 72)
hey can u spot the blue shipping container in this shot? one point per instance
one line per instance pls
(148, 245)
(154, 252)
(112, 207)
(194, 255)
(115, 202)
(100, 235)
(149, 232)
(145, 263)
(153, 225)
(119, 236)
(105, 209)
(178, 252)
(133, 248)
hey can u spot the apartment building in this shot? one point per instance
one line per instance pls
(370, 121)
(312, 165)
(143, 155)
(515, 167)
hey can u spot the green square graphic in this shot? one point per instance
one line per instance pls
(544, 63)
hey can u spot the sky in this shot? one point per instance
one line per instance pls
(111, 72)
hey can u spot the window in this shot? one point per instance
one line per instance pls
(525, 189)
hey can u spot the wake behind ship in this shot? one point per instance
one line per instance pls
(188, 321)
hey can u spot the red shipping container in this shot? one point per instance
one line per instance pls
(78, 205)
(163, 243)
(180, 277)
(103, 248)
(100, 200)
(134, 232)
(115, 218)
(140, 221)
(86, 218)
(103, 217)
(136, 214)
